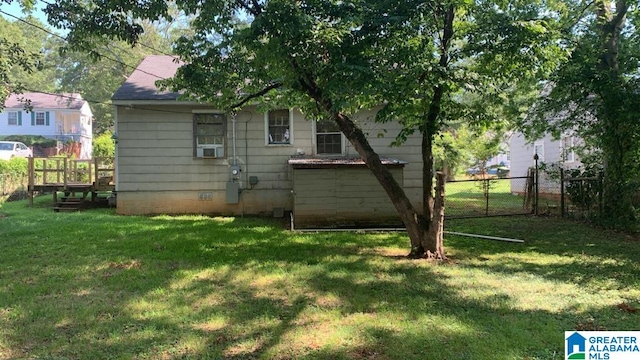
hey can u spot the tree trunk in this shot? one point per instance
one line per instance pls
(417, 224)
(432, 244)
(616, 148)
(434, 239)
(414, 222)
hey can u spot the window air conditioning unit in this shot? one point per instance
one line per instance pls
(210, 151)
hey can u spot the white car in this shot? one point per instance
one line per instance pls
(11, 149)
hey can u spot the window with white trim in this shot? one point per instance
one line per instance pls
(209, 135)
(278, 125)
(12, 118)
(568, 153)
(40, 118)
(328, 138)
(538, 148)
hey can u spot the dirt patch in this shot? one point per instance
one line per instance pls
(18, 195)
(133, 264)
(627, 308)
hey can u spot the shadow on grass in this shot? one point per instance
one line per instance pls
(597, 257)
(95, 285)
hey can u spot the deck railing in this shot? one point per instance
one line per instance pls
(59, 173)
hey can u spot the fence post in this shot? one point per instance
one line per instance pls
(486, 197)
(600, 193)
(562, 192)
(536, 188)
(32, 178)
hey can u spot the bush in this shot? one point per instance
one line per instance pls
(13, 174)
(104, 146)
(32, 140)
(14, 167)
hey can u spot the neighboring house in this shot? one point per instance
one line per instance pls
(63, 117)
(550, 152)
(502, 159)
(175, 156)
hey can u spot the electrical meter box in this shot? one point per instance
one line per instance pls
(233, 192)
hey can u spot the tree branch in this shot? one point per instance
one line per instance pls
(255, 10)
(621, 12)
(256, 95)
(580, 14)
(256, 6)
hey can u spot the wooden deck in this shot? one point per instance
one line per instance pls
(73, 177)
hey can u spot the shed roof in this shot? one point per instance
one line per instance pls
(39, 100)
(141, 84)
(308, 162)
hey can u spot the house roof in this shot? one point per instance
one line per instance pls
(309, 162)
(141, 84)
(45, 101)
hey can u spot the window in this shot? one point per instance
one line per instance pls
(13, 118)
(328, 138)
(279, 127)
(209, 134)
(538, 148)
(568, 155)
(40, 118)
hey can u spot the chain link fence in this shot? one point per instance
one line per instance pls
(490, 196)
(541, 192)
(582, 196)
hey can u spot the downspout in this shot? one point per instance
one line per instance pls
(246, 150)
(235, 136)
(116, 179)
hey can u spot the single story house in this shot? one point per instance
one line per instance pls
(175, 156)
(63, 117)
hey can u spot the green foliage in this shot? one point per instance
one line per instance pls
(37, 61)
(16, 59)
(461, 147)
(585, 192)
(104, 146)
(594, 93)
(423, 60)
(13, 174)
(32, 140)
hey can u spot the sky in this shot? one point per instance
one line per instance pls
(14, 9)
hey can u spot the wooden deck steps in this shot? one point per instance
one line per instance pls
(81, 181)
(68, 204)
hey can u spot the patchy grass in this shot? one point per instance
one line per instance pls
(93, 285)
(467, 197)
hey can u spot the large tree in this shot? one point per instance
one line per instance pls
(332, 58)
(14, 57)
(595, 94)
(96, 70)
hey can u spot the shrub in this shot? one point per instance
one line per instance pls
(13, 174)
(32, 140)
(103, 146)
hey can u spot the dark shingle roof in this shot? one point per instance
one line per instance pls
(311, 162)
(141, 84)
(45, 101)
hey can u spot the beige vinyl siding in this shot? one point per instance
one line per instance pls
(158, 173)
(342, 196)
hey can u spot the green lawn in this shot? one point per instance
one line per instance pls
(93, 285)
(467, 198)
